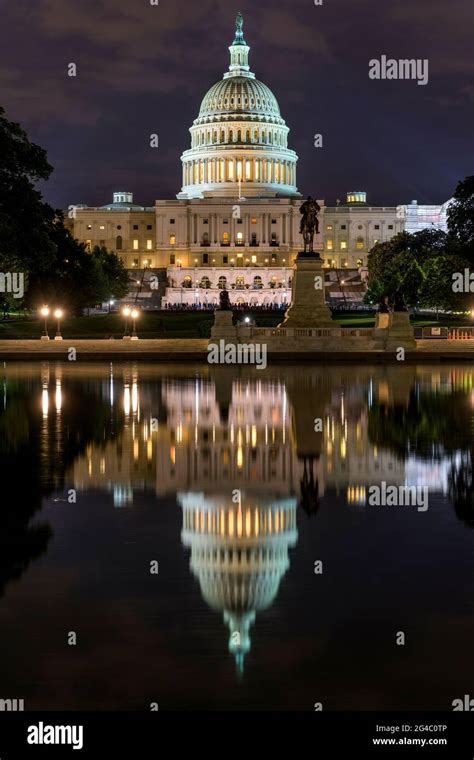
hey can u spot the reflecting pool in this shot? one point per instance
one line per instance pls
(206, 538)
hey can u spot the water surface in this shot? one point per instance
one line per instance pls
(224, 481)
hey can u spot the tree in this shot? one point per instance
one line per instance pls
(113, 275)
(461, 217)
(417, 270)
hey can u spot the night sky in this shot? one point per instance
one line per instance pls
(144, 69)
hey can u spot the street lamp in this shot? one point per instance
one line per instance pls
(126, 311)
(134, 315)
(44, 311)
(58, 314)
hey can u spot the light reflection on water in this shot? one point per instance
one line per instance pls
(242, 456)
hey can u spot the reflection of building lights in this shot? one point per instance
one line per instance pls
(240, 458)
(58, 396)
(134, 397)
(149, 450)
(343, 449)
(136, 449)
(239, 522)
(102, 466)
(173, 454)
(126, 399)
(356, 494)
(179, 433)
(45, 402)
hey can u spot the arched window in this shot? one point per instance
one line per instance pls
(118, 243)
(239, 281)
(205, 283)
(172, 239)
(187, 282)
(360, 243)
(257, 281)
(222, 282)
(239, 136)
(247, 138)
(231, 135)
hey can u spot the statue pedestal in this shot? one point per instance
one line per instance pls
(308, 305)
(400, 332)
(223, 326)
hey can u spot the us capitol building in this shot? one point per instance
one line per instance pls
(235, 222)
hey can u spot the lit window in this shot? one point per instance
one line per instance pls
(329, 227)
(254, 220)
(89, 245)
(248, 170)
(343, 245)
(135, 245)
(240, 236)
(172, 239)
(231, 169)
(149, 245)
(360, 243)
(89, 226)
(102, 227)
(329, 244)
(254, 259)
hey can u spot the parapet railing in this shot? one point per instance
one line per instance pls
(310, 332)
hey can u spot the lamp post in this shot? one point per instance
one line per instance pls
(126, 311)
(134, 314)
(58, 314)
(44, 311)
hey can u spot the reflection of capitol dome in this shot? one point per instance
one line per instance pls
(239, 134)
(239, 555)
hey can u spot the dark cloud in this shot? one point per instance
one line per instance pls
(144, 69)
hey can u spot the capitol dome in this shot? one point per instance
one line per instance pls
(239, 141)
(239, 554)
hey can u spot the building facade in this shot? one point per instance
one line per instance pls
(235, 222)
